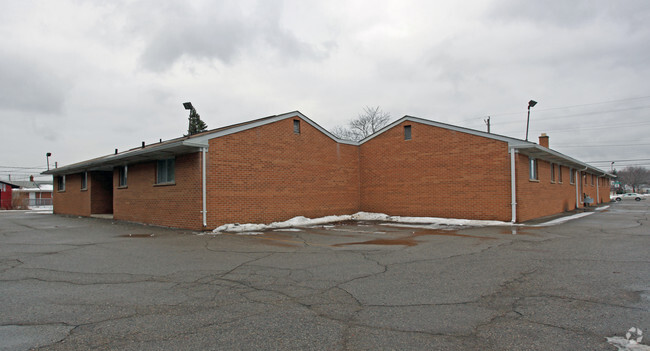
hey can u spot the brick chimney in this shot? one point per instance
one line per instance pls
(31, 178)
(543, 140)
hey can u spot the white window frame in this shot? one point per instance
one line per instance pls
(533, 173)
(84, 180)
(552, 172)
(163, 175)
(60, 184)
(123, 177)
(296, 126)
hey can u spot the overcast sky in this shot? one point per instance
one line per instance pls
(81, 78)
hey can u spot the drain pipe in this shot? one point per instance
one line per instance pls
(597, 190)
(203, 190)
(513, 191)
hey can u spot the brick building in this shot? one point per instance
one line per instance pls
(278, 167)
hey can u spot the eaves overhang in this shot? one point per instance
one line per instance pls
(149, 153)
(539, 152)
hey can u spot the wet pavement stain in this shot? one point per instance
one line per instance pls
(411, 240)
(407, 241)
(136, 235)
(278, 241)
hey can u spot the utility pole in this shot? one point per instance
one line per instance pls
(487, 122)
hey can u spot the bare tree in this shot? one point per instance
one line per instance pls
(369, 121)
(634, 176)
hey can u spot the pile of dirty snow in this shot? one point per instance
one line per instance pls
(301, 221)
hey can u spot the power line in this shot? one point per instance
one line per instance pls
(19, 167)
(631, 160)
(564, 107)
(601, 145)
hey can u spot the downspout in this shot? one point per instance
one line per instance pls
(597, 189)
(513, 191)
(204, 188)
(577, 191)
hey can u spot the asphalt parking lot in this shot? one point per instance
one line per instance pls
(69, 283)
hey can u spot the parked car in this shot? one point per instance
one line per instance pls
(628, 196)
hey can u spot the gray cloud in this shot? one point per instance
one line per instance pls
(220, 32)
(574, 13)
(27, 84)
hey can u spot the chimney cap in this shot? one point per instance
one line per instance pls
(544, 135)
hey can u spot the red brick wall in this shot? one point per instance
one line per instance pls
(269, 173)
(439, 173)
(143, 201)
(72, 201)
(543, 197)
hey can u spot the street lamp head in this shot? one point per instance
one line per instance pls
(188, 105)
(532, 103)
(48, 154)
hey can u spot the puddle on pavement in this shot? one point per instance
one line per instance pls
(411, 240)
(137, 235)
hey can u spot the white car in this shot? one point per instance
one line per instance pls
(628, 196)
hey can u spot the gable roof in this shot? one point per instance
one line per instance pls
(514, 145)
(181, 145)
(194, 143)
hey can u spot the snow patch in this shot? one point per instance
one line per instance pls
(301, 221)
(631, 341)
(563, 219)
(602, 208)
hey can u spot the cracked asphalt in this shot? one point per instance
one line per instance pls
(69, 283)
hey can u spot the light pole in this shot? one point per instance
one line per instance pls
(531, 103)
(47, 155)
(612, 167)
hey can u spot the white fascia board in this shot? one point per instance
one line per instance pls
(567, 160)
(111, 159)
(193, 143)
(203, 139)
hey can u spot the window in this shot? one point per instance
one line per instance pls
(407, 132)
(296, 126)
(592, 179)
(60, 183)
(123, 175)
(165, 171)
(552, 172)
(572, 176)
(559, 174)
(84, 180)
(532, 169)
